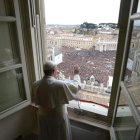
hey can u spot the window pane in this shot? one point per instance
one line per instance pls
(8, 46)
(6, 8)
(124, 124)
(132, 75)
(138, 9)
(12, 89)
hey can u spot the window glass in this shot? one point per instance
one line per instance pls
(124, 124)
(11, 88)
(8, 46)
(132, 74)
(138, 9)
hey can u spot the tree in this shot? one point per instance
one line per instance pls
(110, 24)
(88, 25)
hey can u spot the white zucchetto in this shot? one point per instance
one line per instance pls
(49, 65)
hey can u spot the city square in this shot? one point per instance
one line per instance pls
(91, 62)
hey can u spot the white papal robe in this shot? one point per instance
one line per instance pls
(51, 95)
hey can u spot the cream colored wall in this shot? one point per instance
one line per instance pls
(93, 41)
(72, 43)
(19, 123)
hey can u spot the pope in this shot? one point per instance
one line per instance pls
(51, 96)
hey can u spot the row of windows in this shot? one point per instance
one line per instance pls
(55, 43)
(69, 44)
(108, 40)
(72, 39)
(107, 45)
(80, 47)
(111, 45)
(67, 41)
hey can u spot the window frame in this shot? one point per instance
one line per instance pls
(21, 65)
(132, 17)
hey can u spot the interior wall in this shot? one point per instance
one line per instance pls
(81, 131)
(19, 123)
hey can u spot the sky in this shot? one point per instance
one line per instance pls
(79, 11)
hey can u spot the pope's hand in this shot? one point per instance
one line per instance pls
(76, 69)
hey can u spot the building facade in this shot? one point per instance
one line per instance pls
(106, 42)
(54, 54)
(75, 42)
(106, 45)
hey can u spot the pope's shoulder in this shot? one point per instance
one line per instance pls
(53, 81)
(59, 82)
(37, 82)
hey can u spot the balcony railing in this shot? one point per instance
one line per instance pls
(90, 93)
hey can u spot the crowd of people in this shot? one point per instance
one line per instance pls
(91, 62)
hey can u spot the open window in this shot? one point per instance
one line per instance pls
(126, 120)
(99, 56)
(22, 43)
(14, 88)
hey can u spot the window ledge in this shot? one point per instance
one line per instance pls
(91, 107)
(86, 120)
